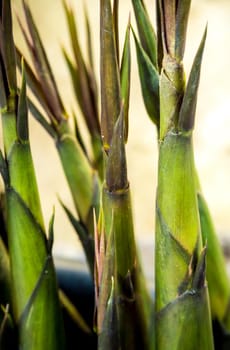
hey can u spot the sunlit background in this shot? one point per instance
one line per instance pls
(212, 134)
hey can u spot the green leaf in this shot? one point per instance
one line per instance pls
(149, 78)
(72, 27)
(125, 79)
(188, 107)
(146, 32)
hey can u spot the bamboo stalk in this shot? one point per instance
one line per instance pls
(218, 290)
(179, 259)
(123, 295)
(178, 252)
(123, 302)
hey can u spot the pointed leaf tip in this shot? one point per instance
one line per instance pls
(188, 107)
(149, 78)
(125, 78)
(146, 32)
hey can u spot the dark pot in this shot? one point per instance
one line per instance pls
(77, 284)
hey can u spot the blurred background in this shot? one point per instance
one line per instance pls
(211, 139)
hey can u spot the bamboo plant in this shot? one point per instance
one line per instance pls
(187, 293)
(112, 92)
(35, 303)
(150, 56)
(121, 276)
(77, 166)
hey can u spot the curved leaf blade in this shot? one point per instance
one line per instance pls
(149, 78)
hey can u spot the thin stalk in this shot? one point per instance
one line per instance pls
(123, 302)
(122, 276)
